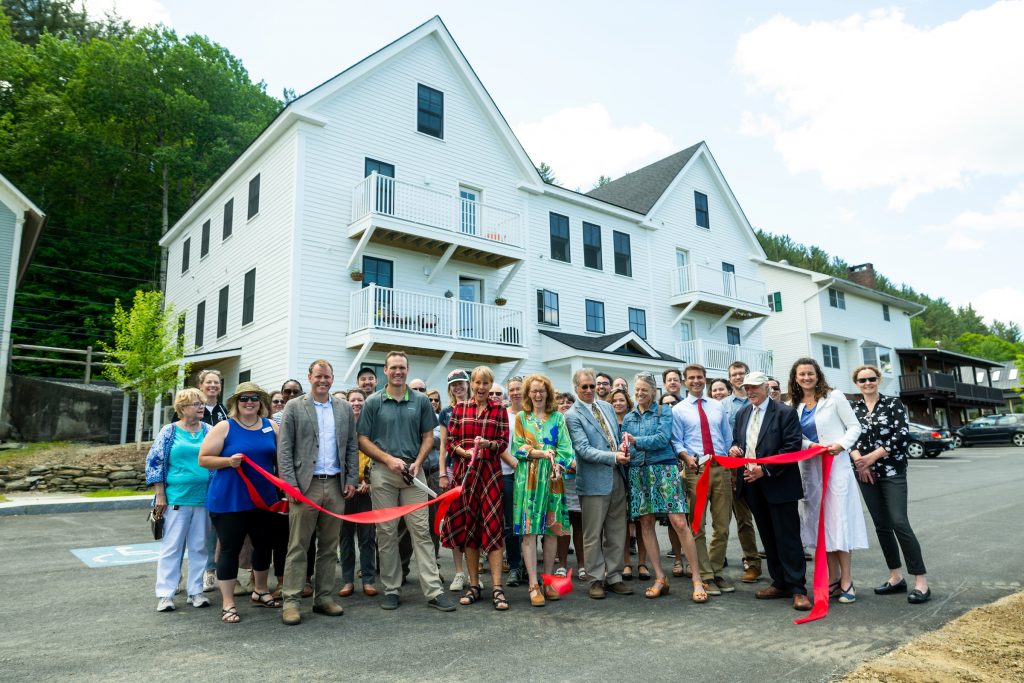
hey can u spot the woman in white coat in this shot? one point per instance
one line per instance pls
(826, 418)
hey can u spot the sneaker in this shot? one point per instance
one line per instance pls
(390, 601)
(724, 584)
(209, 581)
(513, 578)
(561, 571)
(165, 605)
(199, 600)
(458, 583)
(442, 602)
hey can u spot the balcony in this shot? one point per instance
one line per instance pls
(717, 356)
(944, 385)
(409, 216)
(709, 290)
(395, 318)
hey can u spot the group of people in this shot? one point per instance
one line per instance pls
(599, 466)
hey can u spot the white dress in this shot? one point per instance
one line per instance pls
(844, 517)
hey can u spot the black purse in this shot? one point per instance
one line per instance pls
(156, 524)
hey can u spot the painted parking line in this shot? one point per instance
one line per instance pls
(117, 555)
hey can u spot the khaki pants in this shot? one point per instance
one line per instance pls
(388, 489)
(711, 558)
(745, 529)
(303, 521)
(608, 514)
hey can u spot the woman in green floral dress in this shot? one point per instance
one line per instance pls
(541, 444)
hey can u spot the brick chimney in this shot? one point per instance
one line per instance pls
(863, 275)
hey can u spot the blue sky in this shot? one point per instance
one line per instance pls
(884, 133)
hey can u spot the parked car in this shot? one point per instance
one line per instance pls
(928, 441)
(992, 429)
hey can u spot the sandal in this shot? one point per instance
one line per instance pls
(264, 600)
(498, 598)
(699, 593)
(536, 596)
(677, 568)
(230, 615)
(643, 573)
(834, 590)
(659, 588)
(627, 573)
(471, 595)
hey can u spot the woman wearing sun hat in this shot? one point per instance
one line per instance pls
(233, 513)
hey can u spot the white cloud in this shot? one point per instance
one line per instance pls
(1003, 303)
(582, 143)
(138, 12)
(876, 102)
(971, 229)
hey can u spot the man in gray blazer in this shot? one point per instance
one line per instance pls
(317, 453)
(600, 484)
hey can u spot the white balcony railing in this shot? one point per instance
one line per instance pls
(384, 308)
(694, 278)
(377, 194)
(717, 356)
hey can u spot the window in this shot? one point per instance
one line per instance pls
(595, 316)
(1012, 375)
(222, 313)
(204, 243)
(638, 322)
(775, 301)
(700, 202)
(547, 307)
(836, 299)
(378, 271)
(430, 111)
(186, 247)
(244, 376)
(229, 219)
(181, 330)
(200, 322)
(249, 297)
(728, 280)
(830, 356)
(732, 336)
(996, 374)
(592, 246)
(254, 196)
(686, 330)
(468, 200)
(384, 201)
(559, 237)
(623, 253)
(885, 313)
(380, 167)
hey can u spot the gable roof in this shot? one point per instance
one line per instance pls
(627, 343)
(34, 222)
(823, 281)
(640, 190)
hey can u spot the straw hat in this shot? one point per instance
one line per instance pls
(249, 388)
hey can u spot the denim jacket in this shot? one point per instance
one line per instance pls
(159, 456)
(652, 430)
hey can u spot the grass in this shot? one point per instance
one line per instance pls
(3, 498)
(14, 454)
(111, 493)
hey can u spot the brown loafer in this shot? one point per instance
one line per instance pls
(550, 593)
(346, 590)
(619, 588)
(771, 593)
(330, 609)
(751, 575)
(801, 603)
(370, 589)
(596, 590)
(291, 616)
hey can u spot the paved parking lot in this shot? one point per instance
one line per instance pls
(62, 619)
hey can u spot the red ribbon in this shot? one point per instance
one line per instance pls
(443, 501)
(561, 584)
(820, 608)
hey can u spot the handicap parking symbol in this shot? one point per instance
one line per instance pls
(117, 555)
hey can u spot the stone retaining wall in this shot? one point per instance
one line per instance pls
(71, 479)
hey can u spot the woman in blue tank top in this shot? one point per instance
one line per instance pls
(233, 513)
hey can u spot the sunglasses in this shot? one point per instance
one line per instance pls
(771, 388)
(419, 389)
(434, 399)
(586, 387)
(248, 398)
(278, 401)
(495, 393)
(865, 380)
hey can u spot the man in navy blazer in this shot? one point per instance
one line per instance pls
(763, 428)
(600, 485)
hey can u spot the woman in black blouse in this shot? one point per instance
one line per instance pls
(880, 459)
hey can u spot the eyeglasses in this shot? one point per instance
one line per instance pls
(248, 398)
(278, 401)
(496, 393)
(422, 390)
(865, 380)
(586, 387)
(604, 383)
(771, 388)
(291, 392)
(198, 405)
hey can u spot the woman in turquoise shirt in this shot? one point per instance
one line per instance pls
(654, 485)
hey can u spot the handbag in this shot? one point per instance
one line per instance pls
(156, 524)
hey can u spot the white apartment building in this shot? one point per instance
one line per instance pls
(838, 322)
(393, 208)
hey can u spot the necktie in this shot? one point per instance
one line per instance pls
(753, 428)
(705, 429)
(600, 420)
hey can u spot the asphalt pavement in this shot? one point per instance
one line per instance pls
(64, 619)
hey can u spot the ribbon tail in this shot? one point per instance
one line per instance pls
(561, 584)
(820, 608)
(700, 499)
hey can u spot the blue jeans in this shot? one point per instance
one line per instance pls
(513, 547)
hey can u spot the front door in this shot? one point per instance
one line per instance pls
(384, 193)
(468, 203)
(471, 293)
(729, 280)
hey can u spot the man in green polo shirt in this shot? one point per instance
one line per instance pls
(396, 429)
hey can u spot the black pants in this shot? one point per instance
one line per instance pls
(232, 528)
(279, 542)
(887, 502)
(779, 526)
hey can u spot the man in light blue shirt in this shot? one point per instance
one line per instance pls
(700, 426)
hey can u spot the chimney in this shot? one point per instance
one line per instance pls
(863, 275)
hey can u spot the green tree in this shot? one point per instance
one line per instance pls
(601, 181)
(148, 350)
(988, 346)
(547, 174)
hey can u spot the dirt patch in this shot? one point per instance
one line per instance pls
(986, 644)
(74, 454)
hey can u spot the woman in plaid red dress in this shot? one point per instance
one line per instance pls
(475, 520)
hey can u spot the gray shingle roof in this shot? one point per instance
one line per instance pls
(599, 344)
(640, 190)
